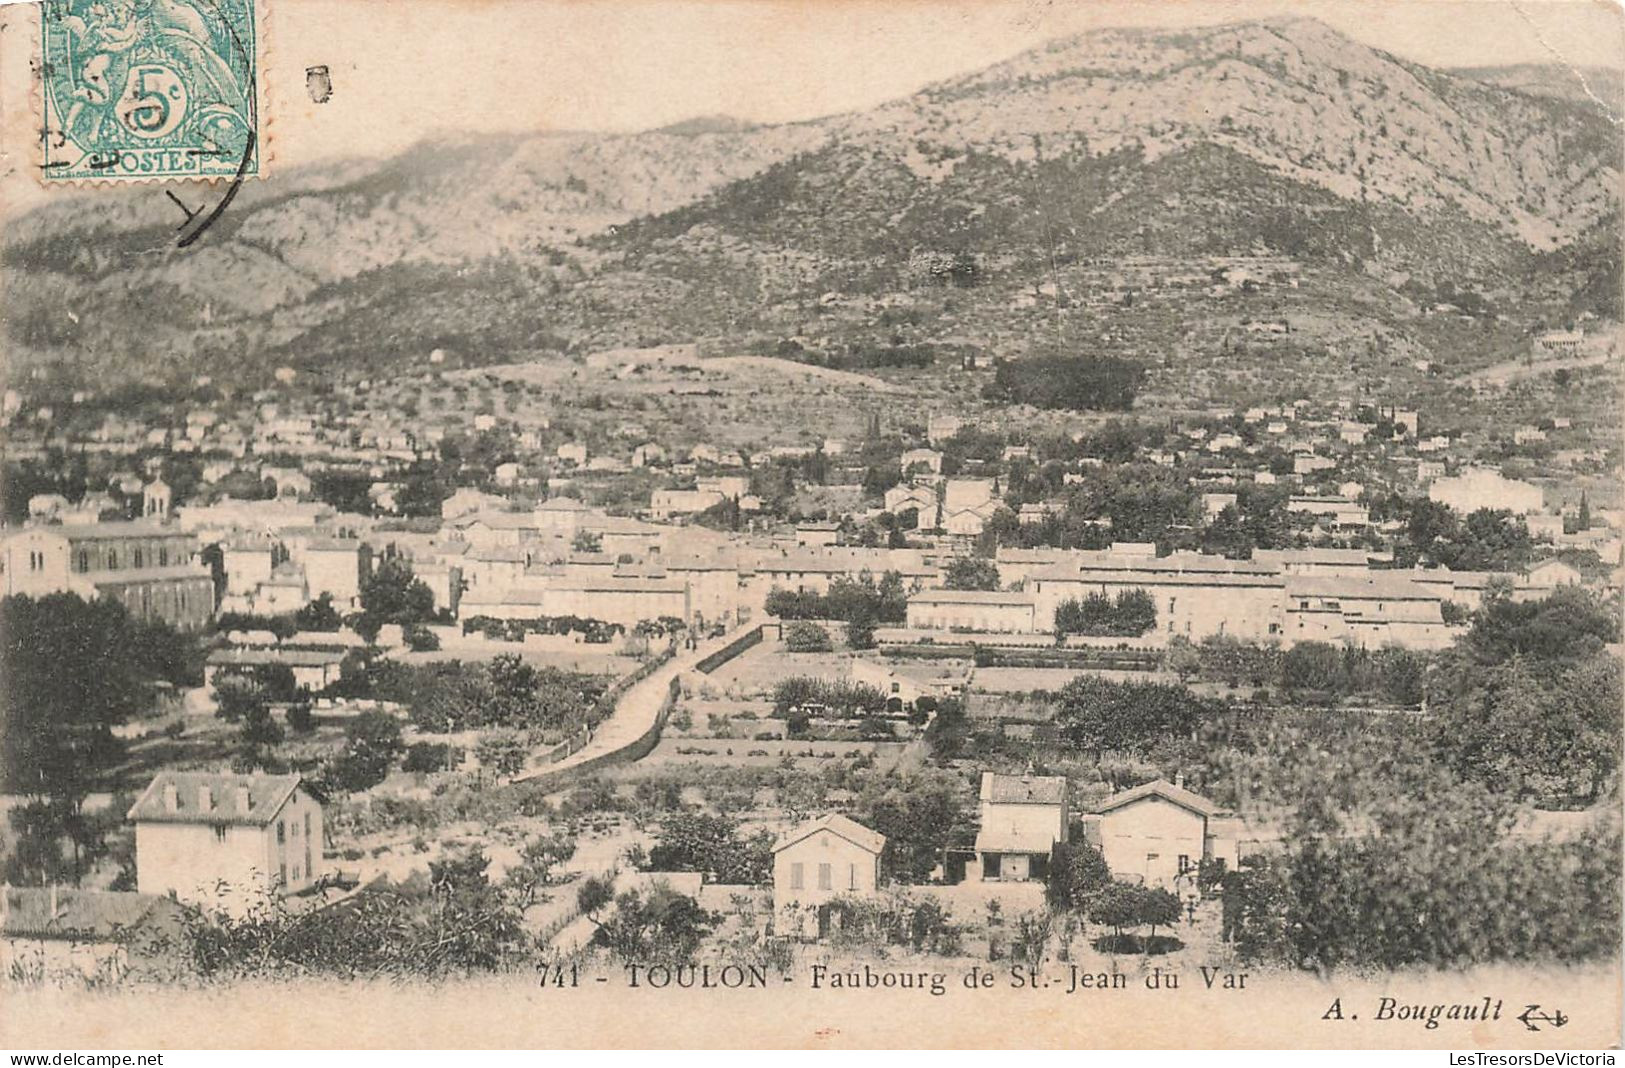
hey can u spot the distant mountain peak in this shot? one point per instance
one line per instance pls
(707, 124)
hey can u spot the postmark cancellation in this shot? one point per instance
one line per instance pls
(149, 89)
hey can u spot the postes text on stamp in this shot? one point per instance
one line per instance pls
(141, 89)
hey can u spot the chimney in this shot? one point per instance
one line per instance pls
(245, 800)
(1179, 779)
(172, 799)
(205, 799)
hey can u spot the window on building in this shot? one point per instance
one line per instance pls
(1184, 863)
(824, 880)
(282, 874)
(795, 877)
(281, 832)
(84, 560)
(163, 556)
(851, 876)
(136, 560)
(112, 560)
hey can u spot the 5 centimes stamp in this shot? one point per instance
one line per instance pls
(143, 89)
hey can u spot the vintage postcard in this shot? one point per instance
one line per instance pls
(761, 523)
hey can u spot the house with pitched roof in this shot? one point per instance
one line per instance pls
(1023, 816)
(1159, 831)
(229, 841)
(63, 933)
(820, 860)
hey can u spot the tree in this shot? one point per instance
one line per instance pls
(1098, 715)
(1117, 906)
(1181, 658)
(660, 926)
(1314, 666)
(70, 671)
(920, 815)
(372, 747)
(318, 615)
(860, 632)
(971, 573)
(420, 639)
(257, 736)
(393, 594)
(1071, 382)
(1077, 873)
(1131, 614)
(427, 757)
(689, 841)
(1567, 625)
(1158, 908)
(1530, 728)
(587, 541)
(538, 860)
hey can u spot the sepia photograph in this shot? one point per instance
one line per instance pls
(772, 524)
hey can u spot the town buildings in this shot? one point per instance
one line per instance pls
(147, 566)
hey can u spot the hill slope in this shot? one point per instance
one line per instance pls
(1279, 136)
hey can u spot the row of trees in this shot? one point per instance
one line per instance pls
(1312, 671)
(848, 599)
(838, 697)
(1130, 614)
(503, 692)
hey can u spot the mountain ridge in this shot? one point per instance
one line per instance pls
(1349, 154)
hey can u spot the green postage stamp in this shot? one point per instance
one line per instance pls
(138, 89)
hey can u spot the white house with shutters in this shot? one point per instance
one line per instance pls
(815, 863)
(227, 841)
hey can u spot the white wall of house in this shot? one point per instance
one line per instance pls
(232, 866)
(1027, 821)
(819, 868)
(1146, 838)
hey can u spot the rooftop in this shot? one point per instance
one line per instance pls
(1166, 790)
(1023, 789)
(837, 824)
(67, 913)
(266, 796)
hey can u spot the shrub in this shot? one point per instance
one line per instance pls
(428, 756)
(421, 639)
(803, 637)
